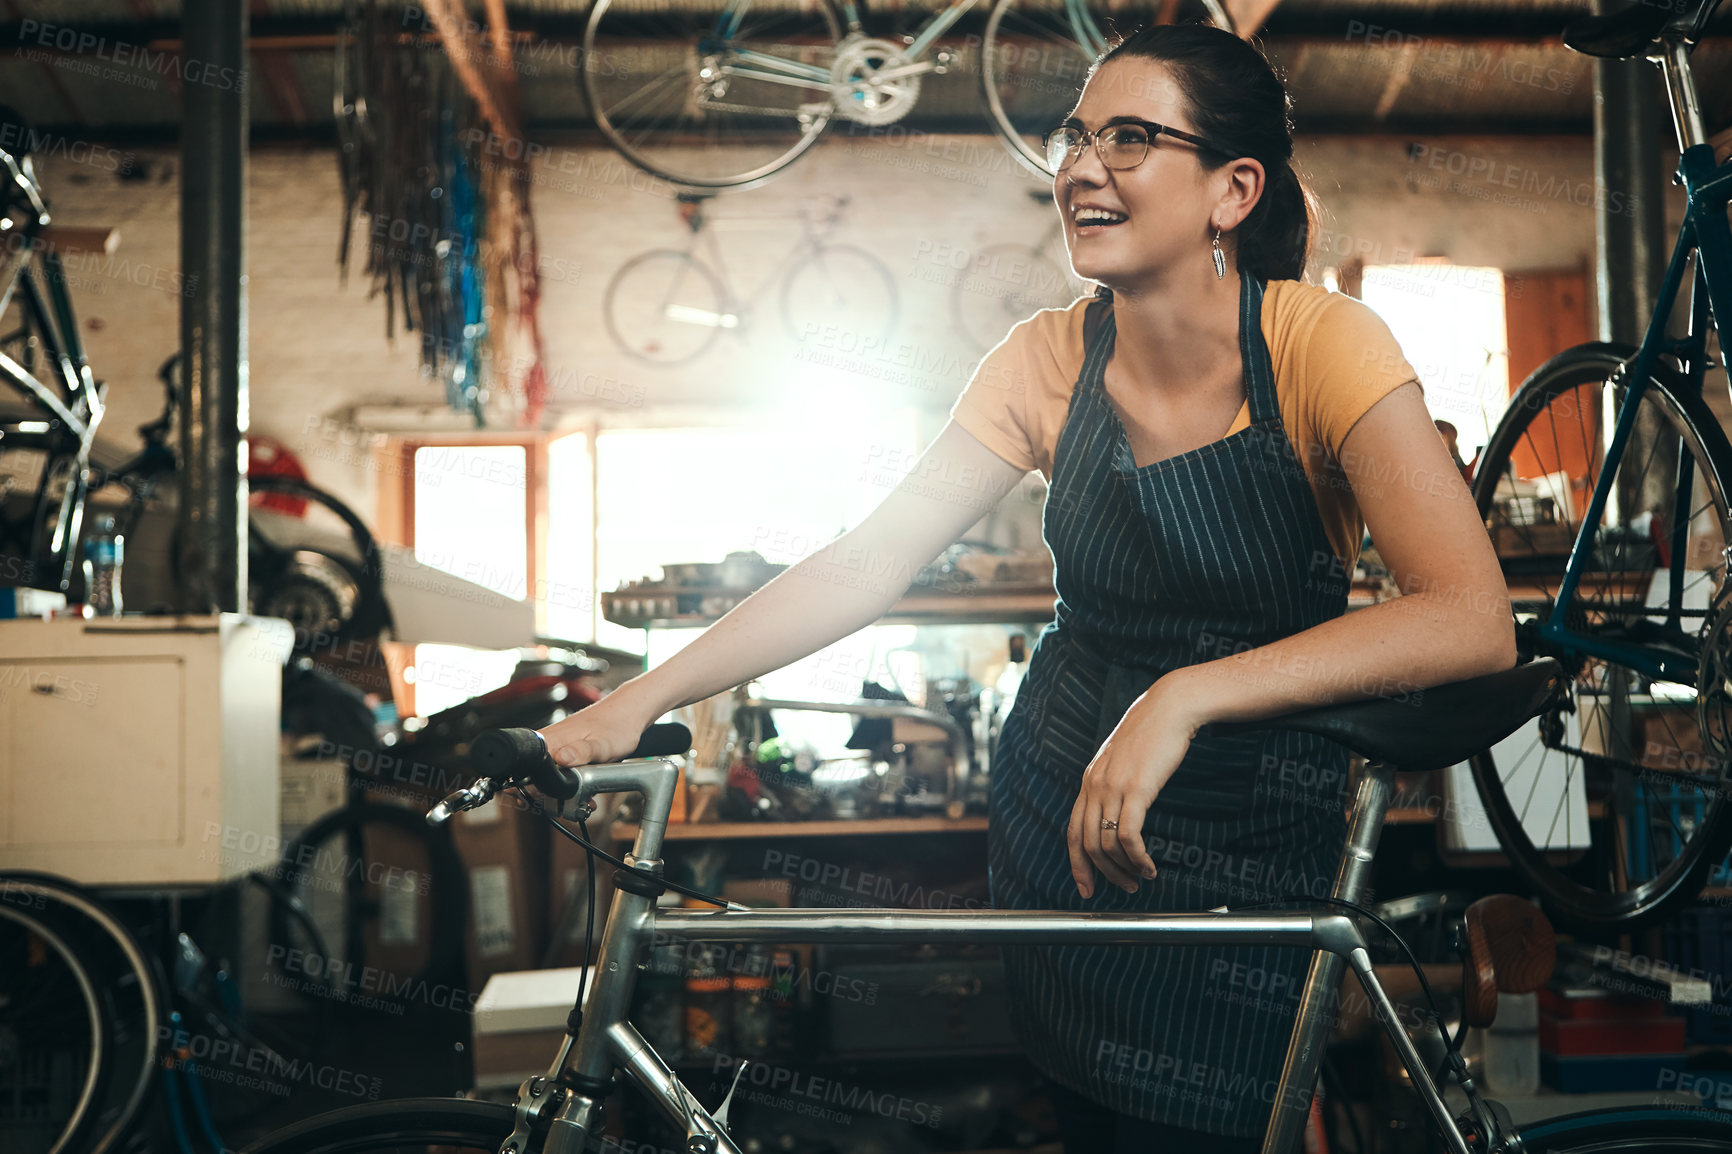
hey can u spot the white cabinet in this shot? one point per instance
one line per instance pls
(140, 750)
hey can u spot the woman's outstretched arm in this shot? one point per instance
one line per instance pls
(836, 591)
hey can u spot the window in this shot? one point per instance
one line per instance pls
(471, 520)
(1450, 322)
(663, 496)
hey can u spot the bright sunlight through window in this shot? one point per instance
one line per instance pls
(1450, 322)
(471, 522)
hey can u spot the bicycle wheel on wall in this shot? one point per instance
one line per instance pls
(840, 289)
(52, 1022)
(1006, 283)
(1034, 57)
(665, 307)
(1606, 802)
(711, 104)
(127, 992)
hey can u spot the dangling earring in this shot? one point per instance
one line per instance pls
(1220, 258)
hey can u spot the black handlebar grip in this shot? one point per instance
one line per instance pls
(521, 753)
(669, 739)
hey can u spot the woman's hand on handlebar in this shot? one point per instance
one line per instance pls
(606, 731)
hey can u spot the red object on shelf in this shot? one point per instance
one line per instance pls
(1588, 1037)
(1592, 1002)
(269, 457)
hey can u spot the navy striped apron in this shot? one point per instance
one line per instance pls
(1214, 551)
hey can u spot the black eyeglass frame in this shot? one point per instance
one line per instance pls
(1153, 128)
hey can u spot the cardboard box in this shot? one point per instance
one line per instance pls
(520, 1022)
(398, 876)
(311, 788)
(504, 849)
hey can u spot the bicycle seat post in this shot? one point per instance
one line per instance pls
(1292, 1106)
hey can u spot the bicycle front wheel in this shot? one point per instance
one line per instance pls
(711, 107)
(1649, 1130)
(840, 288)
(665, 308)
(1035, 56)
(410, 1124)
(1607, 802)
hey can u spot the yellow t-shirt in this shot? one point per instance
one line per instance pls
(1334, 358)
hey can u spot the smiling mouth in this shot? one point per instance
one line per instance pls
(1097, 218)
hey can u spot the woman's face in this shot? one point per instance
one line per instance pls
(1159, 212)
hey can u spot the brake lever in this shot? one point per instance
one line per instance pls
(472, 797)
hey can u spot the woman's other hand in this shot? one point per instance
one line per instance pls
(1139, 757)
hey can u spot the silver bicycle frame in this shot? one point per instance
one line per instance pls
(608, 1042)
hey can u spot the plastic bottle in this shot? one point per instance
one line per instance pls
(104, 553)
(1512, 1046)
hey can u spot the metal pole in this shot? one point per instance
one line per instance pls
(1321, 996)
(212, 555)
(1630, 119)
(1630, 243)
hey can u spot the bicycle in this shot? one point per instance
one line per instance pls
(733, 103)
(1614, 804)
(1005, 283)
(91, 1020)
(669, 306)
(561, 1112)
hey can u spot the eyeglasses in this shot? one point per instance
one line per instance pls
(1120, 145)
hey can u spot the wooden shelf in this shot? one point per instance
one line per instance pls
(740, 830)
(987, 604)
(648, 606)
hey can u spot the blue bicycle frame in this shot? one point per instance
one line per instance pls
(1708, 191)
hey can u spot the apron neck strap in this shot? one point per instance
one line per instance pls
(1100, 329)
(1254, 353)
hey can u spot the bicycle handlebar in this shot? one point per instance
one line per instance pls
(522, 753)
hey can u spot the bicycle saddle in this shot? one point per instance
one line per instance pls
(1622, 35)
(1429, 728)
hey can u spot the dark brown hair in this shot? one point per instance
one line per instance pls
(1236, 97)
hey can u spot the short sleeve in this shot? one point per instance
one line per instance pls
(1350, 362)
(997, 405)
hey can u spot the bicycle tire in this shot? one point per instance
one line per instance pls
(647, 298)
(1034, 58)
(14, 1000)
(665, 97)
(448, 1123)
(1649, 1130)
(129, 987)
(1596, 888)
(1004, 284)
(840, 286)
(448, 908)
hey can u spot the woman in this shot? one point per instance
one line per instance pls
(1217, 437)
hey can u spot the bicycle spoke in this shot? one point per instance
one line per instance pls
(1651, 808)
